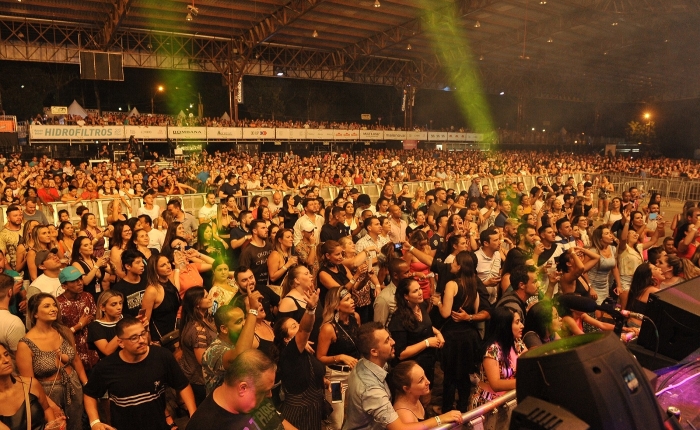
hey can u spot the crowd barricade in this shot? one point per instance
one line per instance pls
(493, 415)
(669, 188)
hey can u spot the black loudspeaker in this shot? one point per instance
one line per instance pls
(594, 377)
(536, 414)
(676, 313)
(102, 66)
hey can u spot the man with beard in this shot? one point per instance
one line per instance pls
(135, 378)
(240, 235)
(11, 234)
(236, 329)
(255, 254)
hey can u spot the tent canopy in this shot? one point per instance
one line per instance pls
(134, 112)
(76, 110)
(225, 117)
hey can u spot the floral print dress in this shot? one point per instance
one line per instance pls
(482, 396)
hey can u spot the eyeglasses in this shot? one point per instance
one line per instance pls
(136, 337)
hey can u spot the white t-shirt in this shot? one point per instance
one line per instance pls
(44, 284)
(11, 330)
(153, 213)
(156, 238)
(208, 213)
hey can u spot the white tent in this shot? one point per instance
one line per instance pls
(76, 110)
(134, 112)
(181, 114)
(225, 117)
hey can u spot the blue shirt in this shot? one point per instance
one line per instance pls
(368, 400)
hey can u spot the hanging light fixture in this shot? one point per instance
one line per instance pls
(477, 24)
(376, 3)
(192, 11)
(409, 47)
(481, 58)
(550, 40)
(315, 34)
(188, 18)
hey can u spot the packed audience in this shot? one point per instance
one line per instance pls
(297, 312)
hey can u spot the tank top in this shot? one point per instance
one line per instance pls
(345, 337)
(265, 346)
(296, 314)
(163, 317)
(18, 421)
(581, 289)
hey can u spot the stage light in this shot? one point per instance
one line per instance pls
(188, 18)
(314, 34)
(409, 47)
(376, 3)
(477, 24)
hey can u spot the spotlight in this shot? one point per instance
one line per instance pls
(409, 47)
(188, 18)
(192, 9)
(550, 40)
(481, 58)
(477, 25)
(376, 3)
(315, 34)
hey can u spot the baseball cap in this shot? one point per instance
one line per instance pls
(43, 254)
(69, 274)
(307, 225)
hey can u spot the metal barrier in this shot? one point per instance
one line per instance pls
(490, 416)
(670, 188)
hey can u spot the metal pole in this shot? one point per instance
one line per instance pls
(481, 410)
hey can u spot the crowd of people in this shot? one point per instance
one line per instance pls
(298, 312)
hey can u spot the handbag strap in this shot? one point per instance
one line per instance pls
(27, 406)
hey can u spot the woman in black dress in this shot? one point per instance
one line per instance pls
(463, 308)
(416, 338)
(301, 372)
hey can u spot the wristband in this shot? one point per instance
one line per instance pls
(72, 330)
(438, 420)
(411, 248)
(253, 312)
(92, 423)
(311, 311)
(427, 343)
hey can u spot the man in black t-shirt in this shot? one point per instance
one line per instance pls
(255, 254)
(133, 285)
(242, 401)
(335, 228)
(240, 236)
(135, 378)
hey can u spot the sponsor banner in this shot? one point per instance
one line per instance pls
(142, 132)
(417, 135)
(372, 134)
(297, 133)
(366, 116)
(346, 134)
(59, 110)
(437, 135)
(72, 132)
(456, 136)
(224, 133)
(187, 132)
(319, 134)
(410, 144)
(258, 133)
(394, 135)
(291, 133)
(7, 126)
(475, 137)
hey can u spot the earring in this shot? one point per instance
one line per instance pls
(336, 315)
